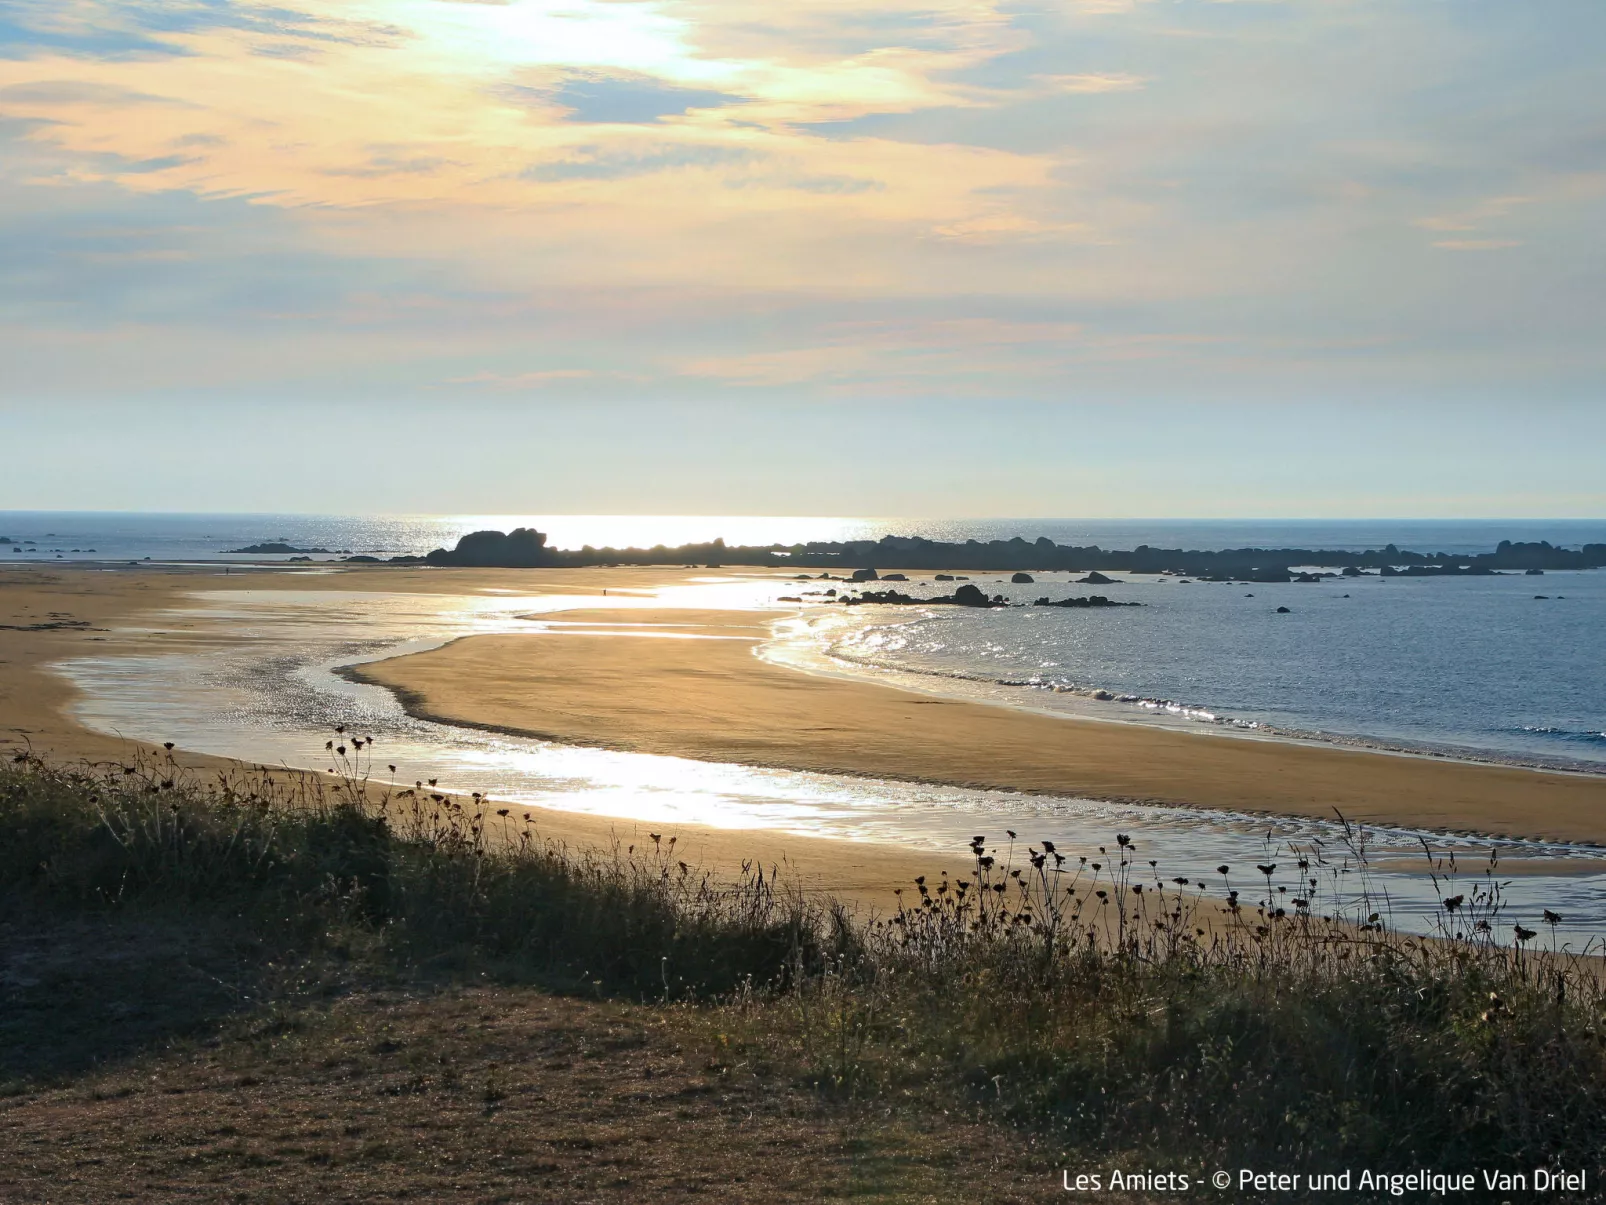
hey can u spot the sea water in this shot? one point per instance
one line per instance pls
(130, 536)
(1476, 667)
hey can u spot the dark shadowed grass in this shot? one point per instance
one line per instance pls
(415, 878)
(1096, 1004)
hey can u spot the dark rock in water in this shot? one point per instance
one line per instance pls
(885, 596)
(271, 548)
(944, 577)
(1092, 600)
(1529, 572)
(409, 560)
(1103, 696)
(1096, 579)
(970, 596)
(1538, 596)
(1447, 569)
(1022, 579)
(865, 575)
(297, 558)
(1351, 571)
(893, 577)
(1282, 611)
(521, 548)
(372, 560)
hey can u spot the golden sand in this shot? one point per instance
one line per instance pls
(711, 699)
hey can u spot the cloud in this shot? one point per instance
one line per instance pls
(653, 182)
(823, 185)
(72, 92)
(595, 97)
(123, 30)
(599, 163)
(1088, 84)
(522, 380)
(383, 163)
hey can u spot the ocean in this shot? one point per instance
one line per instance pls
(191, 537)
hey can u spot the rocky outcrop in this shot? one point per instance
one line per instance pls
(1021, 579)
(521, 548)
(1092, 600)
(971, 596)
(965, 596)
(1018, 555)
(1448, 570)
(272, 548)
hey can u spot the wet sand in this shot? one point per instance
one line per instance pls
(668, 689)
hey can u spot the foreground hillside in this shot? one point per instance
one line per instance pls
(270, 989)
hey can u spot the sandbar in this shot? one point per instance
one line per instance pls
(654, 682)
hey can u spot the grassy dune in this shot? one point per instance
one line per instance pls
(371, 984)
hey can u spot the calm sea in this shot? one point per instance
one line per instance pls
(1474, 665)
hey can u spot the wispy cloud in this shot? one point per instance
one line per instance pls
(631, 99)
(702, 191)
(597, 162)
(522, 380)
(1089, 84)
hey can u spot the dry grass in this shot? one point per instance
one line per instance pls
(476, 1094)
(276, 988)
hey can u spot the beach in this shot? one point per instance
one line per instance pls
(688, 685)
(685, 682)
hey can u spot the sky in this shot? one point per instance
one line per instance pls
(947, 257)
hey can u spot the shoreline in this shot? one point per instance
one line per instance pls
(755, 712)
(1224, 726)
(416, 705)
(43, 700)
